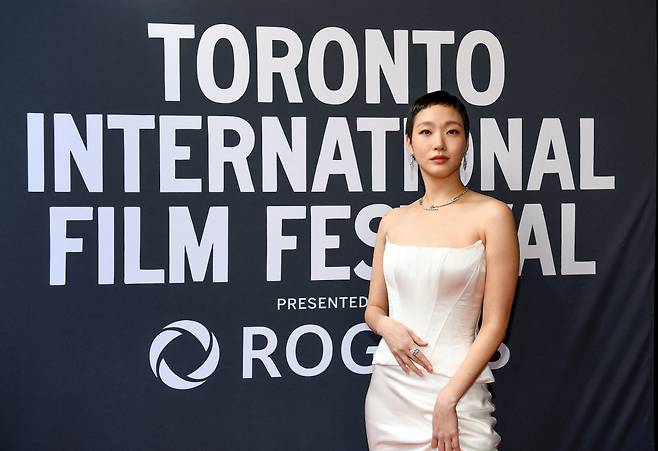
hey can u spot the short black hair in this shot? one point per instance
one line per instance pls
(436, 98)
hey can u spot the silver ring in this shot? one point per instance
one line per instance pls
(414, 351)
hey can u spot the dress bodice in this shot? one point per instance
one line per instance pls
(437, 292)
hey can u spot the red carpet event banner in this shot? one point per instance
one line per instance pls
(192, 192)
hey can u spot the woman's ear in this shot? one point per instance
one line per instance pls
(407, 141)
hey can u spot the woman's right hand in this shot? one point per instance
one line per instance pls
(402, 341)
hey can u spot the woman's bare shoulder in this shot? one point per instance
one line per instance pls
(393, 216)
(485, 202)
(390, 216)
(491, 212)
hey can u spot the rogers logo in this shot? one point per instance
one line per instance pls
(353, 352)
(169, 333)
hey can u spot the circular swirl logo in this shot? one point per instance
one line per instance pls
(169, 333)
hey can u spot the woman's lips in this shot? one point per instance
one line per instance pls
(439, 160)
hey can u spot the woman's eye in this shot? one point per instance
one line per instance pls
(454, 132)
(424, 132)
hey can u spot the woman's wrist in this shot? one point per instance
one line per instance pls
(447, 399)
(380, 326)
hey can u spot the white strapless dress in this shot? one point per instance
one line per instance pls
(437, 292)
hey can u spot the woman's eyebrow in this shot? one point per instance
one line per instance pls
(420, 124)
(454, 122)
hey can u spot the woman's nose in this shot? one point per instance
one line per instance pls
(439, 141)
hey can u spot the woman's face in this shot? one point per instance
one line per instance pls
(438, 140)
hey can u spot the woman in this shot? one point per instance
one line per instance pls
(439, 265)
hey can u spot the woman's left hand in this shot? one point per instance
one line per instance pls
(445, 432)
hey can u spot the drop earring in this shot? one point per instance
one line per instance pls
(412, 161)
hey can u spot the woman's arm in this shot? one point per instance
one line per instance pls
(377, 307)
(502, 266)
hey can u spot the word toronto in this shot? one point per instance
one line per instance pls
(393, 66)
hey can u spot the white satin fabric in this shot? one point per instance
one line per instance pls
(437, 292)
(399, 411)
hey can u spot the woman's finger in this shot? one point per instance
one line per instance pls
(419, 341)
(423, 361)
(402, 364)
(407, 360)
(455, 444)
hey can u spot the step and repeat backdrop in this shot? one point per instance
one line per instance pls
(191, 192)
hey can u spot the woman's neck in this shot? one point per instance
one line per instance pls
(441, 191)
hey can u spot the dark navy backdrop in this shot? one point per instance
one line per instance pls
(75, 358)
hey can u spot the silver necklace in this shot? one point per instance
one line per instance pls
(436, 207)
